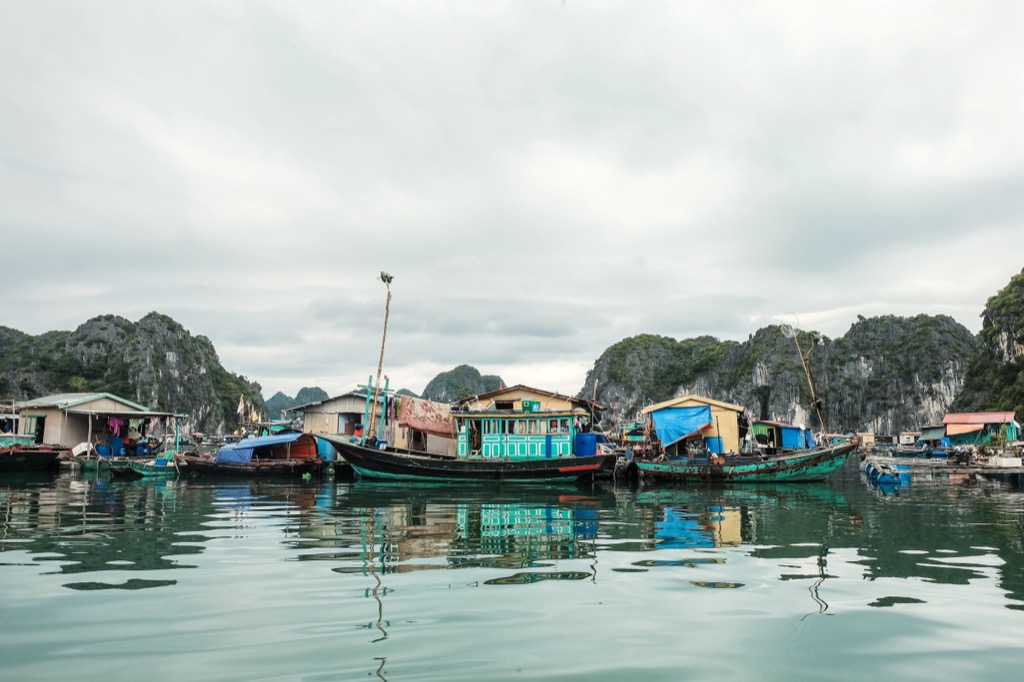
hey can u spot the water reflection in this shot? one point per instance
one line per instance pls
(936, 533)
(81, 526)
(399, 530)
(930, 532)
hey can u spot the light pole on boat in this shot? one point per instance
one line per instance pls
(386, 278)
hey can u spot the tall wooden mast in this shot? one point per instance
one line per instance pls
(386, 278)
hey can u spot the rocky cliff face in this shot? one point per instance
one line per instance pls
(155, 362)
(885, 375)
(995, 378)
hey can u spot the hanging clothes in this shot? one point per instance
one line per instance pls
(115, 424)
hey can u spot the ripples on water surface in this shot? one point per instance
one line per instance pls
(206, 580)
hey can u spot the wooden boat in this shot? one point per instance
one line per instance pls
(797, 464)
(491, 445)
(288, 454)
(146, 467)
(499, 445)
(20, 457)
(814, 464)
(20, 451)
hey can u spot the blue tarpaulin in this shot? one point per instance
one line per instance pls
(796, 438)
(673, 423)
(241, 452)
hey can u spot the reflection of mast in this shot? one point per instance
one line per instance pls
(380, 668)
(379, 590)
(813, 589)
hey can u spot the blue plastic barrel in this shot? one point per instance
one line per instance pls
(586, 444)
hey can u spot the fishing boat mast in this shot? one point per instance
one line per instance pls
(794, 333)
(386, 278)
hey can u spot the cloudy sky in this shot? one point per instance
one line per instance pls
(542, 178)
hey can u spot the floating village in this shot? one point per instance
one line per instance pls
(518, 433)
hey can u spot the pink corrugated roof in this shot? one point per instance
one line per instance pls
(978, 418)
(961, 429)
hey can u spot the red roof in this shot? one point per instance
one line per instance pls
(978, 418)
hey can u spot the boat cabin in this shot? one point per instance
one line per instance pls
(772, 436)
(524, 434)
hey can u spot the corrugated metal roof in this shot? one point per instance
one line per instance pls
(960, 429)
(317, 403)
(65, 400)
(978, 418)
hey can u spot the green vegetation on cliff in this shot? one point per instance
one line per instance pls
(279, 402)
(155, 362)
(462, 382)
(995, 378)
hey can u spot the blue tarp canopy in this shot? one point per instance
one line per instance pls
(797, 438)
(674, 423)
(241, 452)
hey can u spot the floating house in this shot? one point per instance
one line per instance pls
(342, 414)
(68, 419)
(401, 420)
(522, 421)
(933, 436)
(970, 428)
(681, 421)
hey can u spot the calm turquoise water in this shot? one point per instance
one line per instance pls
(206, 580)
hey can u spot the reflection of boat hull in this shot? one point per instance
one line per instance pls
(199, 464)
(815, 464)
(400, 465)
(30, 458)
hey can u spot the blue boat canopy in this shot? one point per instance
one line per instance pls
(242, 451)
(796, 438)
(674, 423)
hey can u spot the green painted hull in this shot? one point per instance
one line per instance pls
(94, 464)
(807, 465)
(142, 469)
